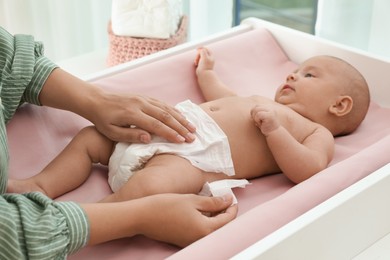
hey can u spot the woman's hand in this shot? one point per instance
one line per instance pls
(121, 117)
(132, 118)
(177, 219)
(180, 219)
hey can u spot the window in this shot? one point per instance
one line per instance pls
(296, 14)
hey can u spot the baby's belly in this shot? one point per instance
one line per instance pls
(250, 153)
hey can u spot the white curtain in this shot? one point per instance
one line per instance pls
(70, 28)
(208, 17)
(364, 24)
(67, 27)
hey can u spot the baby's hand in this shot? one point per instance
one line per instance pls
(203, 60)
(265, 118)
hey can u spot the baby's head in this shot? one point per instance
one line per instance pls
(329, 91)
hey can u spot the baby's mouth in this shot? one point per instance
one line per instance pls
(286, 87)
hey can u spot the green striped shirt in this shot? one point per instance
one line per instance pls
(32, 226)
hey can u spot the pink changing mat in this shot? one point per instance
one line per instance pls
(250, 63)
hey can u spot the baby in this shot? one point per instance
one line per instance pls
(237, 137)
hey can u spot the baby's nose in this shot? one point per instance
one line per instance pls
(291, 76)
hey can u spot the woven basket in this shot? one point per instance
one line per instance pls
(126, 48)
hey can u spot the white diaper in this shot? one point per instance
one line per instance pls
(209, 152)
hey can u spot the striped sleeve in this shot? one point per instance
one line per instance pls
(24, 71)
(42, 69)
(31, 225)
(34, 227)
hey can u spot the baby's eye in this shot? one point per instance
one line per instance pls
(309, 75)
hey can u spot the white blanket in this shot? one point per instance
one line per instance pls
(146, 18)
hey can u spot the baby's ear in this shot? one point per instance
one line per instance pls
(342, 106)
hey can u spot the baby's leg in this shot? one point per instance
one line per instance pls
(164, 174)
(71, 167)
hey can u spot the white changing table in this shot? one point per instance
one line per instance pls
(354, 224)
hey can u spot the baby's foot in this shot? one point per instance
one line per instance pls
(23, 186)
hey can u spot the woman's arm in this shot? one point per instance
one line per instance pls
(209, 83)
(35, 227)
(174, 218)
(113, 114)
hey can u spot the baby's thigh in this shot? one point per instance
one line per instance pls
(177, 174)
(164, 174)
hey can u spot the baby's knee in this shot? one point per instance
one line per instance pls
(97, 145)
(88, 131)
(87, 135)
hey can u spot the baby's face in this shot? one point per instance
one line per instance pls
(312, 87)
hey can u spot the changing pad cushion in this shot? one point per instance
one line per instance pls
(250, 63)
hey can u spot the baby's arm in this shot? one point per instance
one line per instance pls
(210, 85)
(298, 161)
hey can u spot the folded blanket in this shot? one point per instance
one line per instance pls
(146, 18)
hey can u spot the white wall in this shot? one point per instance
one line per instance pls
(364, 24)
